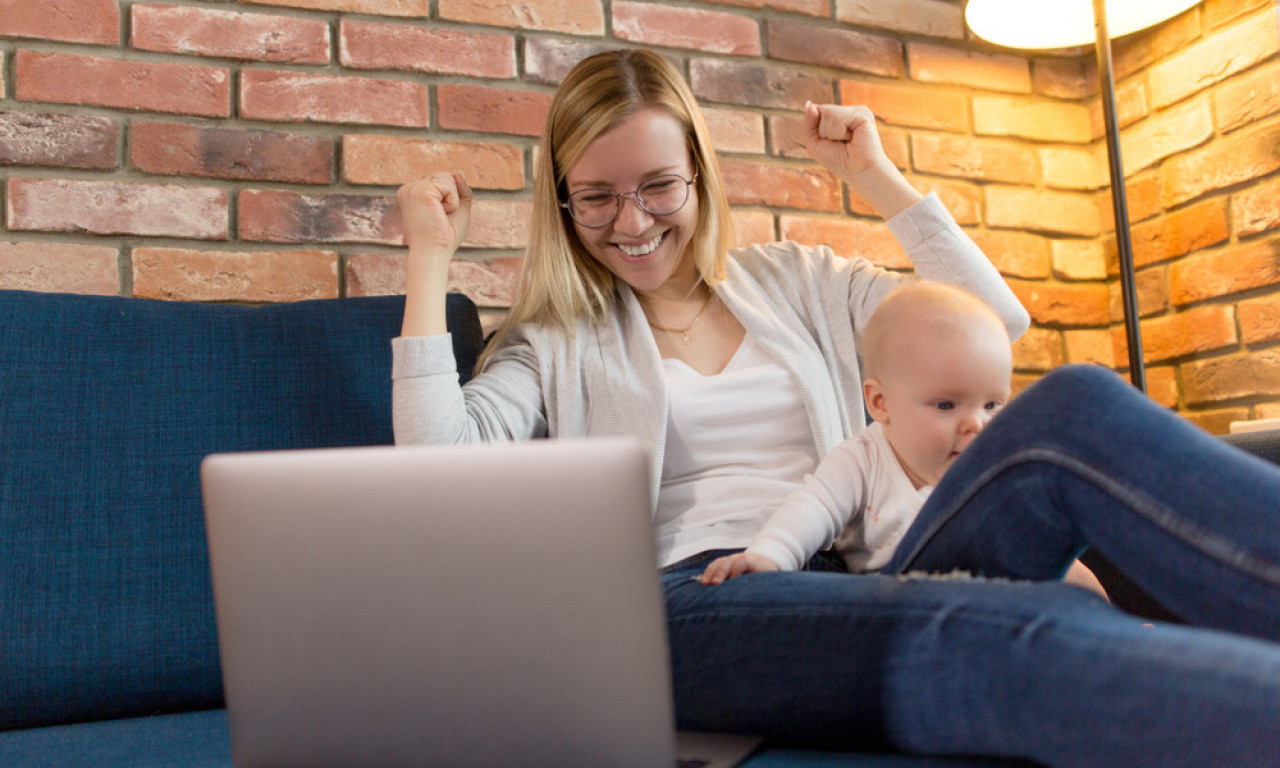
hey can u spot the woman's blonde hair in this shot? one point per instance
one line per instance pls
(561, 283)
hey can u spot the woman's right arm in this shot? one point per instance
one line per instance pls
(427, 404)
(436, 211)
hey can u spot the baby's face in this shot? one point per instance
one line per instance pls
(941, 396)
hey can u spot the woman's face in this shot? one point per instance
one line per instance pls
(641, 249)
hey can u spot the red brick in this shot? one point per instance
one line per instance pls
(1015, 254)
(1260, 319)
(1039, 349)
(850, 238)
(827, 46)
(932, 18)
(696, 29)
(806, 7)
(1229, 378)
(1151, 286)
(491, 110)
(1079, 260)
(65, 78)
(187, 275)
(1063, 304)
(753, 227)
(548, 60)
(1215, 58)
(1090, 345)
(756, 85)
(1031, 118)
(1133, 103)
(1162, 384)
(575, 17)
(805, 188)
(1217, 421)
(59, 268)
(117, 208)
(229, 35)
(1255, 209)
(1225, 272)
(979, 159)
(1142, 194)
(1248, 98)
(364, 45)
(1235, 159)
(734, 130)
(289, 217)
(1219, 12)
(70, 21)
(1021, 381)
(1179, 233)
(410, 8)
(1078, 168)
(499, 224)
(1195, 331)
(177, 149)
(1063, 213)
(488, 284)
(947, 65)
(1064, 78)
(964, 201)
(911, 105)
(1166, 133)
(60, 141)
(294, 97)
(1134, 53)
(394, 160)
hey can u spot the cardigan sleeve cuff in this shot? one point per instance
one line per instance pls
(414, 356)
(921, 221)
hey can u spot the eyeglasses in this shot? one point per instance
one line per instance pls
(659, 196)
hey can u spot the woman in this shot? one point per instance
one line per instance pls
(740, 368)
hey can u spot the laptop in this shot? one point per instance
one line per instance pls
(444, 606)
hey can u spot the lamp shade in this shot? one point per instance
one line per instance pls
(1062, 23)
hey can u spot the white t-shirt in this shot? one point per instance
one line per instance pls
(737, 443)
(861, 489)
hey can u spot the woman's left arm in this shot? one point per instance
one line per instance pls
(845, 140)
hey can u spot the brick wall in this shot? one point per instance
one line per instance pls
(223, 151)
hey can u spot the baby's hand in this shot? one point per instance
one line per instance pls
(728, 567)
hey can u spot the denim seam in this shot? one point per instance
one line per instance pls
(1211, 545)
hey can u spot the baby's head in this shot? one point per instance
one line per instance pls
(937, 365)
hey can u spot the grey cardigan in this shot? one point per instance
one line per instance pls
(804, 305)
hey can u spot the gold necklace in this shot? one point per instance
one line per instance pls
(684, 332)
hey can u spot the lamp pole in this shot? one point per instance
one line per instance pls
(1119, 201)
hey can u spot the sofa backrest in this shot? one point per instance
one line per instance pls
(107, 406)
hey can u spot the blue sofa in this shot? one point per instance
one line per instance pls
(108, 651)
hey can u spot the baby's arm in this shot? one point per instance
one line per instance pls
(731, 566)
(809, 518)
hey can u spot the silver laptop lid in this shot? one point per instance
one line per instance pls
(440, 606)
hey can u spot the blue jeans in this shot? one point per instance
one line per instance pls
(1024, 666)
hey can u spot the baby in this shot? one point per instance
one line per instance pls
(937, 367)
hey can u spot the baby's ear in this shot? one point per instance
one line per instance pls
(873, 392)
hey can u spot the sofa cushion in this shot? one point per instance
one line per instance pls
(201, 740)
(109, 404)
(189, 740)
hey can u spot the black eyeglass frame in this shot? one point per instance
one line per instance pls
(634, 194)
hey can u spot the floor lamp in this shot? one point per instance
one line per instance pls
(1068, 23)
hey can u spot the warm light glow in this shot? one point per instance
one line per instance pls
(1062, 23)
